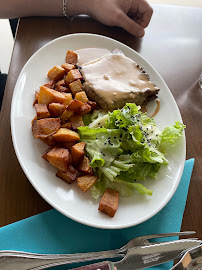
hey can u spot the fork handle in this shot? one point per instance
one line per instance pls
(10, 260)
(97, 266)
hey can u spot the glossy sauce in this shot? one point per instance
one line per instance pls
(87, 55)
(144, 108)
(113, 78)
(157, 108)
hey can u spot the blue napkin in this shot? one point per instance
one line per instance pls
(51, 232)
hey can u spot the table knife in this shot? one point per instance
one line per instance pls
(145, 256)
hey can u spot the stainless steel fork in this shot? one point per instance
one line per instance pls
(25, 260)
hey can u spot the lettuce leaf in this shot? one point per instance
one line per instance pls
(125, 147)
(171, 134)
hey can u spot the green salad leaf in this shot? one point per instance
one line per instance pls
(126, 147)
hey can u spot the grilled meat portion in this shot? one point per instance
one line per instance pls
(115, 79)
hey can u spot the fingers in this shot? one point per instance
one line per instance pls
(146, 12)
(145, 20)
(128, 24)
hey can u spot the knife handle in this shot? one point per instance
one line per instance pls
(97, 266)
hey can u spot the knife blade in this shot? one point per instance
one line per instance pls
(192, 259)
(146, 256)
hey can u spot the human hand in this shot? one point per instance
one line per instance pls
(132, 15)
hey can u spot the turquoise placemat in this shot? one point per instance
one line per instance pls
(51, 232)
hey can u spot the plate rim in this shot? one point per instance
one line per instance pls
(44, 196)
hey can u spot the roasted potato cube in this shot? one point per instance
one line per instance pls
(67, 125)
(47, 96)
(84, 166)
(59, 157)
(71, 57)
(46, 152)
(68, 98)
(84, 109)
(68, 145)
(109, 202)
(36, 98)
(42, 111)
(60, 83)
(67, 114)
(81, 96)
(74, 105)
(45, 127)
(73, 75)
(35, 118)
(48, 140)
(86, 181)
(56, 109)
(76, 121)
(69, 176)
(76, 87)
(50, 84)
(93, 105)
(66, 135)
(60, 88)
(56, 73)
(77, 152)
(67, 67)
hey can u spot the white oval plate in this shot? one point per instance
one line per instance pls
(69, 199)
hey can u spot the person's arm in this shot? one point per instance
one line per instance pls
(132, 15)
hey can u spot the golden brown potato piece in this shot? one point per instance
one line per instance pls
(42, 111)
(56, 109)
(61, 88)
(86, 181)
(47, 96)
(109, 202)
(48, 140)
(46, 152)
(60, 83)
(50, 84)
(67, 125)
(45, 127)
(68, 98)
(93, 105)
(84, 166)
(75, 104)
(56, 73)
(71, 57)
(84, 109)
(67, 67)
(81, 96)
(73, 75)
(36, 98)
(66, 135)
(76, 87)
(35, 118)
(68, 145)
(69, 176)
(67, 114)
(76, 121)
(77, 152)
(59, 157)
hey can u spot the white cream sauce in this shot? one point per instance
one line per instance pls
(87, 55)
(112, 77)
